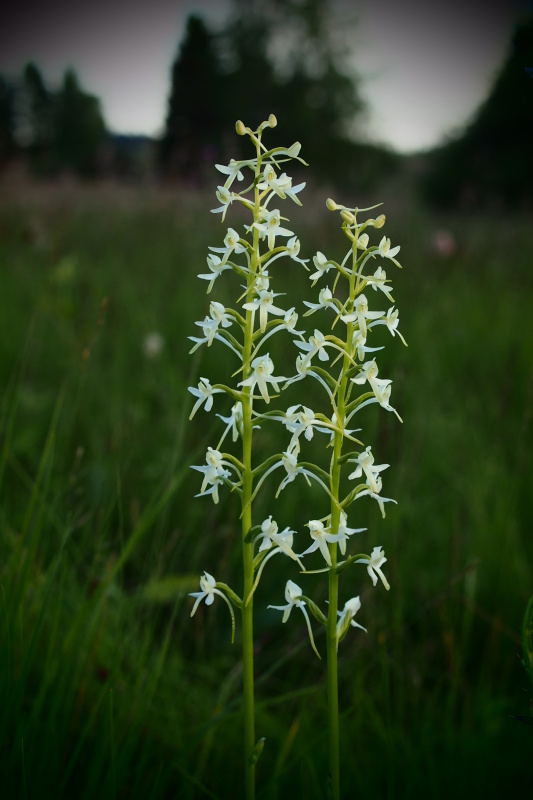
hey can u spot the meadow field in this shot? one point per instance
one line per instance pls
(108, 689)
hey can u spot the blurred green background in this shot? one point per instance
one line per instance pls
(108, 689)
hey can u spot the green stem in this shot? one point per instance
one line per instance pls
(246, 516)
(331, 627)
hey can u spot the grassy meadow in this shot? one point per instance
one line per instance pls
(108, 689)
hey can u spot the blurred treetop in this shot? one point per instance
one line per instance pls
(491, 163)
(283, 57)
(58, 130)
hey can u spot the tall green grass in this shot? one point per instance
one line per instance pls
(107, 688)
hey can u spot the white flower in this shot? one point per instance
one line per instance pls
(293, 596)
(225, 197)
(391, 321)
(231, 244)
(376, 560)
(262, 369)
(210, 324)
(208, 590)
(317, 344)
(351, 607)
(290, 463)
(361, 314)
(214, 472)
(293, 248)
(233, 170)
(365, 464)
(270, 537)
(321, 537)
(153, 345)
(204, 393)
(359, 343)
(282, 186)
(265, 303)
(301, 421)
(290, 319)
(371, 471)
(385, 251)
(233, 422)
(325, 300)
(216, 266)
(380, 386)
(345, 532)
(378, 281)
(270, 227)
(322, 266)
(362, 241)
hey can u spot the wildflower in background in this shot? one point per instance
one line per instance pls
(153, 345)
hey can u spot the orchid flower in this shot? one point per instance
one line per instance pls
(374, 563)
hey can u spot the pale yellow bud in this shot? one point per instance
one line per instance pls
(348, 217)
(331, 204)
(272, 121)
(240, 127)
(380, 221)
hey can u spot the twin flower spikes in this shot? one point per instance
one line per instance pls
(339, 360)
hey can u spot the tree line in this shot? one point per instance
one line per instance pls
(284, 57)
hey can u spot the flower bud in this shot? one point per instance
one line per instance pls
(348, 217)
(331, 204)
(272, 121)
(380, 221)
(240, 127)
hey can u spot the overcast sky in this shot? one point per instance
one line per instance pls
(425, 64)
